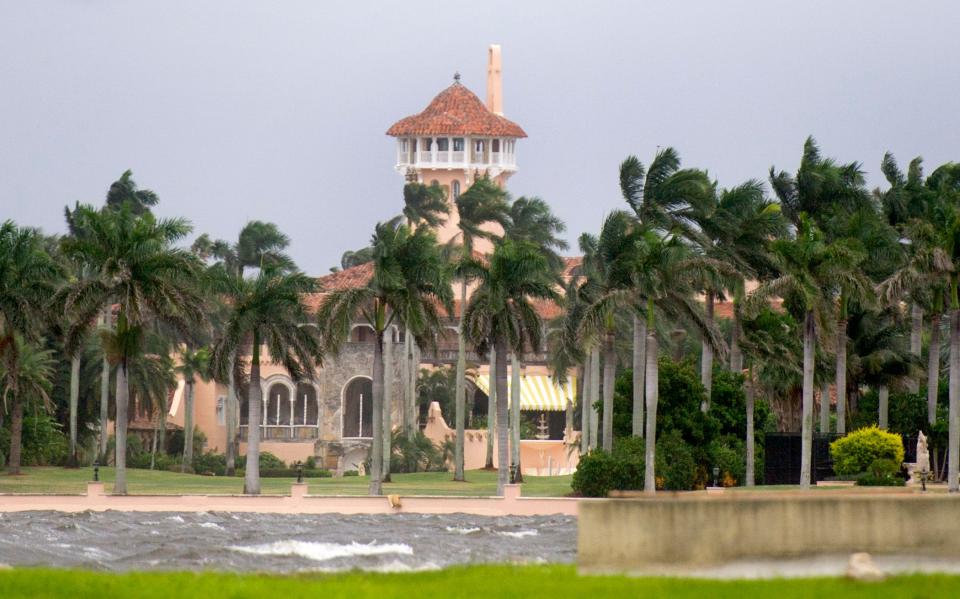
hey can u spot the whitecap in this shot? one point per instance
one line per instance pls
(324, 551)
(463, 531)
(211, 525)
(175, 519)
(518, 534)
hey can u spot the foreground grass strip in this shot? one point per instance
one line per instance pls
(143, 482)
(473, 581)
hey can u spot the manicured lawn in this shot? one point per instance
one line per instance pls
(479, 482)
(472, 582)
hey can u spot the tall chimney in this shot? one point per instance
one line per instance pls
(494, 86)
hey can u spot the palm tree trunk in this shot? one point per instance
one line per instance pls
(414, 378)
(503, 456)
(706, 359)
(916, 341)
(825, 406)
(884, 401)
(594, 396)
(639, 370)
(609, 370)
(187, 429)
(460, 397)
(120, 450)
(105, 392)
(840, 379)
(653, 395)
(387, 403)
(16, 429)
(376, 458)
(230, 413)
(751, 466)
(409, 401)
(491, 409)
(74, 405)
(162, 425)
(806, 424)
(251, 483)
(736, 356)
(153, 442)
(585, 408)
(953, 484)
(515, 418)
(933, 368)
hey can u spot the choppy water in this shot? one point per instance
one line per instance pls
(118, 541)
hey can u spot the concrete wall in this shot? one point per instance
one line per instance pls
(667, 533)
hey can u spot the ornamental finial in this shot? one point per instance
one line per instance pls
(456, 77)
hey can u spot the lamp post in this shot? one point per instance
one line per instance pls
(299, 472)
(96, 471)
(716, 475)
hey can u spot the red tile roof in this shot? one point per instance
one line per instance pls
(456, 111)
(348, 278)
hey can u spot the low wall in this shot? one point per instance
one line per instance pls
(674, 533)
(298, 502)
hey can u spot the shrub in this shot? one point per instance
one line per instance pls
(292, 473)
(351, 473)
(600, 472)
(881, 473)
(676, 467)
(210, 463)
(161, 461)
(267, 461)
(729, 455)
(418, 454)
(855, 453)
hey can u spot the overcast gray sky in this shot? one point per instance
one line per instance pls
(237, 110)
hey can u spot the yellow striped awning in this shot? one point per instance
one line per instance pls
(537, 392)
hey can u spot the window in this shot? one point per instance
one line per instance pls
(427, 144)
(305, 409)
(358, 408)
(457, 144)
(495, 145)
(278, 406)
(221, 406)
(456, 189)
(443, 144)
(478, 146)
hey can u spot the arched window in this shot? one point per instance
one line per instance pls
(306, 412)
(358, 408)
(278, 405)
(362, 334)
(456, 189)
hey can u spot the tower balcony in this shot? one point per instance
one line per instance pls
(456, 153)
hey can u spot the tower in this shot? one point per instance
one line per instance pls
(458, 138)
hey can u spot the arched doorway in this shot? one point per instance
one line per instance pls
(358, 408)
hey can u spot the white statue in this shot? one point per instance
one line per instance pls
(923, 454)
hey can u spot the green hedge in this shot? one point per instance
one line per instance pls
(856, 452)
(600, 472)
(289, 473)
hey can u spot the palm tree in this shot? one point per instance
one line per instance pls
(667, 198)
(148, 278)
(266, 310)
(828, 193)
(482, 205)
(810, 270)
(124, 191)
(422, 205)
(193, 365)
(258, 245)
(28, 380)
(501, 315)
(659, 274)
(738, 229)
(531, 220)
(410, 283)
(27, 281)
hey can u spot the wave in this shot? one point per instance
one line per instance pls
(324, 551)
(518, 534)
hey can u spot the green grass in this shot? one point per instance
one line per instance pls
(472, 582)
(479, 482)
